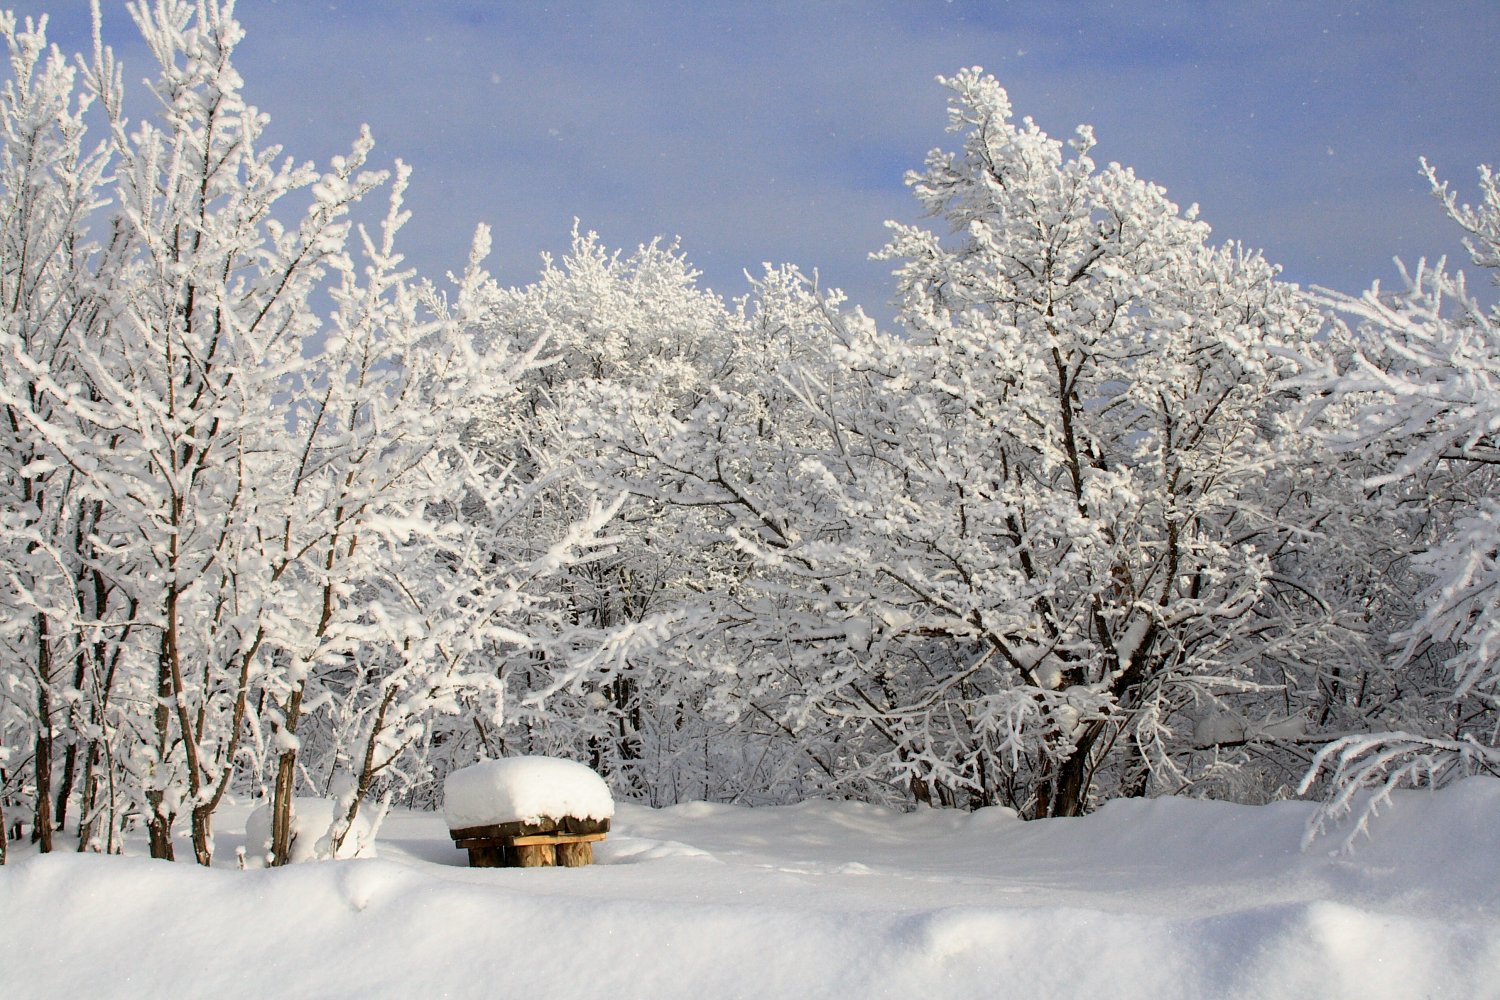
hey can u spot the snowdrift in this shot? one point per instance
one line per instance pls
(1163, 899)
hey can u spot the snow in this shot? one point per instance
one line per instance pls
(312, 818)
(1161, 899)
(524, 789)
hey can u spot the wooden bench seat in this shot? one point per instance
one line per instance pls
(567, 841)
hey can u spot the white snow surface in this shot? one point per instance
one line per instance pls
(1171, 899)
(524, 789)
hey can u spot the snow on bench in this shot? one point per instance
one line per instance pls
(527, 812)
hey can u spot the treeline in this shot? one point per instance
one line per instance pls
(1113, 512)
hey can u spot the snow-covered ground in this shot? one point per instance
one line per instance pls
(1160, 899)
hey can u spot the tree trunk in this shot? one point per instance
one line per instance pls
(88, 795)
(1063, 789)
(65, 788)
(1071, 789)
(159, 825)
(159, 829)
(97, 755)
(286, 783)
(281, 808)
(921, 791)
(41, 829)
(203, 834)
(70, 755)
(171, 654)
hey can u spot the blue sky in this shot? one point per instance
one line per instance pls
(769, 131)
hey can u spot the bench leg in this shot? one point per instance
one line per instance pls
(536, 855)
(487, 856)
(575, 855)
(502, 852)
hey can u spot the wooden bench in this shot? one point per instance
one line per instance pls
(568, 842)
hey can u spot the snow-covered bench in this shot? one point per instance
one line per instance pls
(527, 812)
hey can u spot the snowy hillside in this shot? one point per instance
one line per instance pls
(1162, 899)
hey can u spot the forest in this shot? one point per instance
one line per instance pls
(1111, 511)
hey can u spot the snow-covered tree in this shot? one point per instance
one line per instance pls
(270, 556)
(1416, 401)
(54, 685)
(716, 472)
(1026, 551)
(627, 337)
(1089, 433)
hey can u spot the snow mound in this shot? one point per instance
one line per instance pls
(524, 790)
(311, 820)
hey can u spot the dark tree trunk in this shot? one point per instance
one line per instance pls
(159, 829)
(41, 829)
(4, 838)
(65, 787)
(921, 791)
(70, 755)
(88, 797)
(1063, 788)
(1071, 789)
(286, 782)
(159, 825)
